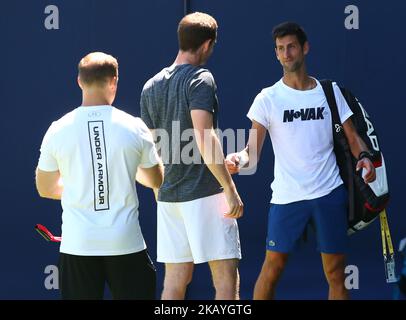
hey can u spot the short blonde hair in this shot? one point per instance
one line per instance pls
(97, 68)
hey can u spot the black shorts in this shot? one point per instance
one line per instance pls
(130, 276)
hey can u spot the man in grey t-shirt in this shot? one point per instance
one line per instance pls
(166, 102)
(198, 203)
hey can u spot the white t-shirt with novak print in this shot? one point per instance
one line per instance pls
(300, 126)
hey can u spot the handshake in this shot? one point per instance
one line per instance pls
(235, 161)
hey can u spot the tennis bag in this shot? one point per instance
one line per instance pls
(365, 201)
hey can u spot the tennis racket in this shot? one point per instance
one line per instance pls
(46, 234)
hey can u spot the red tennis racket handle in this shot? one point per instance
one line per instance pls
(43, 231)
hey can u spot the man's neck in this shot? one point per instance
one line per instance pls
(90, 100)
(299, 80)
(186, 57)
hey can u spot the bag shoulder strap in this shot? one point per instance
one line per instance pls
(338, 131)
(327, 86)
(341, 140)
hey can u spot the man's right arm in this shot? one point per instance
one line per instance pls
(248, 157)
(151, 177)
(212, 154)
(48, 184)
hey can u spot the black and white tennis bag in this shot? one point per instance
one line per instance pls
(366, 201)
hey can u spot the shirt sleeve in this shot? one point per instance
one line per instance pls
(344, 110)
(257, 111)
(149, 154)
(202, 92)
(145, 116)
(47, 160)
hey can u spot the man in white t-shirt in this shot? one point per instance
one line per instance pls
(89, 160)
(307, 185)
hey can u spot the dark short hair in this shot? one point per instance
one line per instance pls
(289, 28)
(97, 68)
(194, 29)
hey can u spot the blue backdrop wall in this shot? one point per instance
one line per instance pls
(38, 85)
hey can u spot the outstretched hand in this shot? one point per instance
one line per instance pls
(232, 163)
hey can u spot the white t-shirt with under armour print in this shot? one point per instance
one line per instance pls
(300, 126)
(97, 150)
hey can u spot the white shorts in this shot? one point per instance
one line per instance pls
(196, 231)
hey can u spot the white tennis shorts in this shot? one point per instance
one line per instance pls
(196, 231)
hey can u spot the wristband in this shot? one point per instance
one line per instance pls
(365, 154)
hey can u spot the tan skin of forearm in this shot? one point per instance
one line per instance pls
(213, 157)
(150, 177)
(47, 184)
(357, 145)
(255, 143)
(56, 195)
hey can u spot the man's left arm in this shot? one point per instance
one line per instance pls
(359, 148)
(48, 184)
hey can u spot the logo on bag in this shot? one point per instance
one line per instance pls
(303, 114)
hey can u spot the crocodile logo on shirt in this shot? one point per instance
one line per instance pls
(303, 114)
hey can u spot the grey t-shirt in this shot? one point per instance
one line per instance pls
(166, 102)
